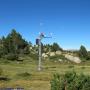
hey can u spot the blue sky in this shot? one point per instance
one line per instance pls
(68, 20)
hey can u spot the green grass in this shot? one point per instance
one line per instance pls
(37, 80)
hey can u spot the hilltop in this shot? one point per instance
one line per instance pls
(14, 47)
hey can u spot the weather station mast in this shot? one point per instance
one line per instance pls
(39, 43)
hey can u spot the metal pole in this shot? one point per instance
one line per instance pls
(40, 51)
(40, 56)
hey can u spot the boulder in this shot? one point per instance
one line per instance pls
(60, 60)
(44, 55)
(30, 48)
(52, 53)
(58, 52)
(47, 53)
(72, 58)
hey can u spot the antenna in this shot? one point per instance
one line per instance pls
(38, 42)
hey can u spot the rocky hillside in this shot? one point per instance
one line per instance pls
(59, 54)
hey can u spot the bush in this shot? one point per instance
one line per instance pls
(24, 75)
(34, 56)
(70, 81)
(11, 56)
(1, 71)
(4, 78)
(71, 66)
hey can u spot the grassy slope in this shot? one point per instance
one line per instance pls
(38, 80)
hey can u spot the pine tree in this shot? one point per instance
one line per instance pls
(83, 52)
(13, 44)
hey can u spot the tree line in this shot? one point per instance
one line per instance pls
(13, 45)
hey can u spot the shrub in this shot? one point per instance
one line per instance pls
(4, 78)
(1, 71)
(70, 81)
(11, 56)
(83, 67)
(34, 56)
(71, 66)
(24, 75)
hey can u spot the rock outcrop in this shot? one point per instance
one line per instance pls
(44, 55)
(52, 53)
(58, 52)
(73, 58)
